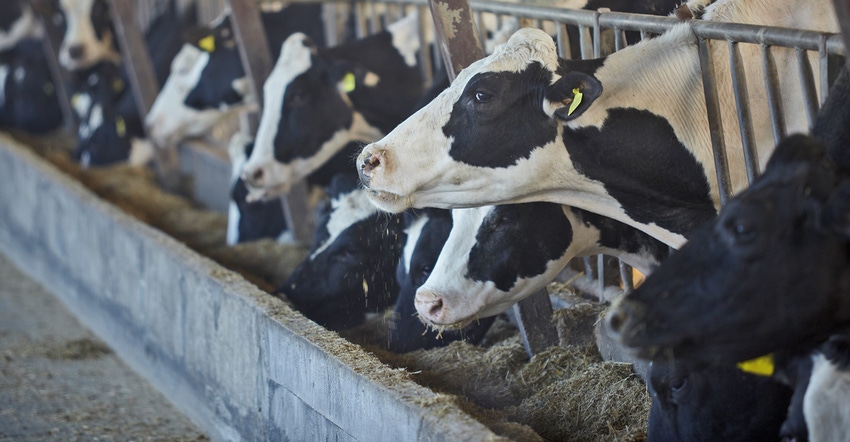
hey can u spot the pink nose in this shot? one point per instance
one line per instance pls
(430, 307)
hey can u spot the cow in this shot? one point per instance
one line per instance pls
(251, 221)
(17, 23)
(207, 81)
(318, 100)
(426, 231)
(350, 270)
(717, 402)
(89, 34)
(771, 272)
(497, 255)
(601, 135)
(28, 99)
(110, 129)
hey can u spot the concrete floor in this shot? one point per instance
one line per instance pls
(58, 381)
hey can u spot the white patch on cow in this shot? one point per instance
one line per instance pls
(825, 404)
(142, 152)
(26, 26)
(242, 86)
(169, 119)
(413, 231)
(4, 73)
(233, 215)
(80, 32)
(405, 33)
(348, 209)
(20, 74)
(81, 103)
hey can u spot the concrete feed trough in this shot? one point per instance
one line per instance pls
(239, 362)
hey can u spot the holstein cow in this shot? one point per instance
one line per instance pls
(625, 136)
(426, 232)
(250, 221)
(207, 80)
(772, 272)
(28, 99)
(497, 255)
(317, 101)
(351, 267)
(110, 129)
(692, 404)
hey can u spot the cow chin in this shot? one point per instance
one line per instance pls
(388, 201)
(256, 194)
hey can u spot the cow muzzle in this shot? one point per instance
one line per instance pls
(434, 311)
(369, 164)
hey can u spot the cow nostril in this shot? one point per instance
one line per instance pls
(76, 51)
(435, 308)
(257, 176)
(370, 163)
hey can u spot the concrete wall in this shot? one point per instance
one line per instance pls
(237, 361)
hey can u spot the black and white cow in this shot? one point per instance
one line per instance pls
(255, 220)
(17, 23)
(350, 270)
(426, 232)
(772, 272)
(207, 80)
(89, 34)
(110, 129)
(625, 136)
(719, 402)
(28, 99)
(318, 100)
(497, 255)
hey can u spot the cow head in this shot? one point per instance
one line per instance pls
(206, 83)
(89, 34)
(773, 271)
(316, 101)
(492, 135)
(351, 267)
(250, 221)
(693, 403)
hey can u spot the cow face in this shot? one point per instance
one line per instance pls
(713, 403)
(206, 83)
(316, 101)
(771, 272)
(250, 221)
(89, 35)
(351, 267)
(505, 105)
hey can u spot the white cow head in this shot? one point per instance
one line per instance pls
(89, 36)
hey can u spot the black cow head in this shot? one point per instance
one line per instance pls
(771, 272)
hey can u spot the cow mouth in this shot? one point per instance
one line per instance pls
(456, 325)
(388, 201)
(260, 194)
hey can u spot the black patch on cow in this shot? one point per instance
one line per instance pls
(498, 119)
(499, 256)
(101, 20)
(642, 165)
(215, 84)
(259, 219)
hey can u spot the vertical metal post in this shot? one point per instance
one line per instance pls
(52, 41)
(774, 102)
(715, 122)
(460, 47)
(745, 120)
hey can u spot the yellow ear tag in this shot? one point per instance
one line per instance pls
(576, 101)
(120, 126)
(207, 43)
(348, 83)
(762, 366)
(117, 85)
(75, 99)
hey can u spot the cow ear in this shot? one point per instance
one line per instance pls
(572, 94)
(836, 216)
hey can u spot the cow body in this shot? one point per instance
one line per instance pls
(207, 81)
(350, 270)
(504, 131)
(496, 256)
(316, 101)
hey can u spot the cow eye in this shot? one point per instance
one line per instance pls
(743, 230)
(482, 97)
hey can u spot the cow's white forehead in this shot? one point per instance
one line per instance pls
(294, 60)
(78, 8)
(347, 209)
(187, 58)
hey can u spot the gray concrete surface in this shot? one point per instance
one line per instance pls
(59, 382)
(237, 361)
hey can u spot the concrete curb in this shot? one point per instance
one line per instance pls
(237, 361)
